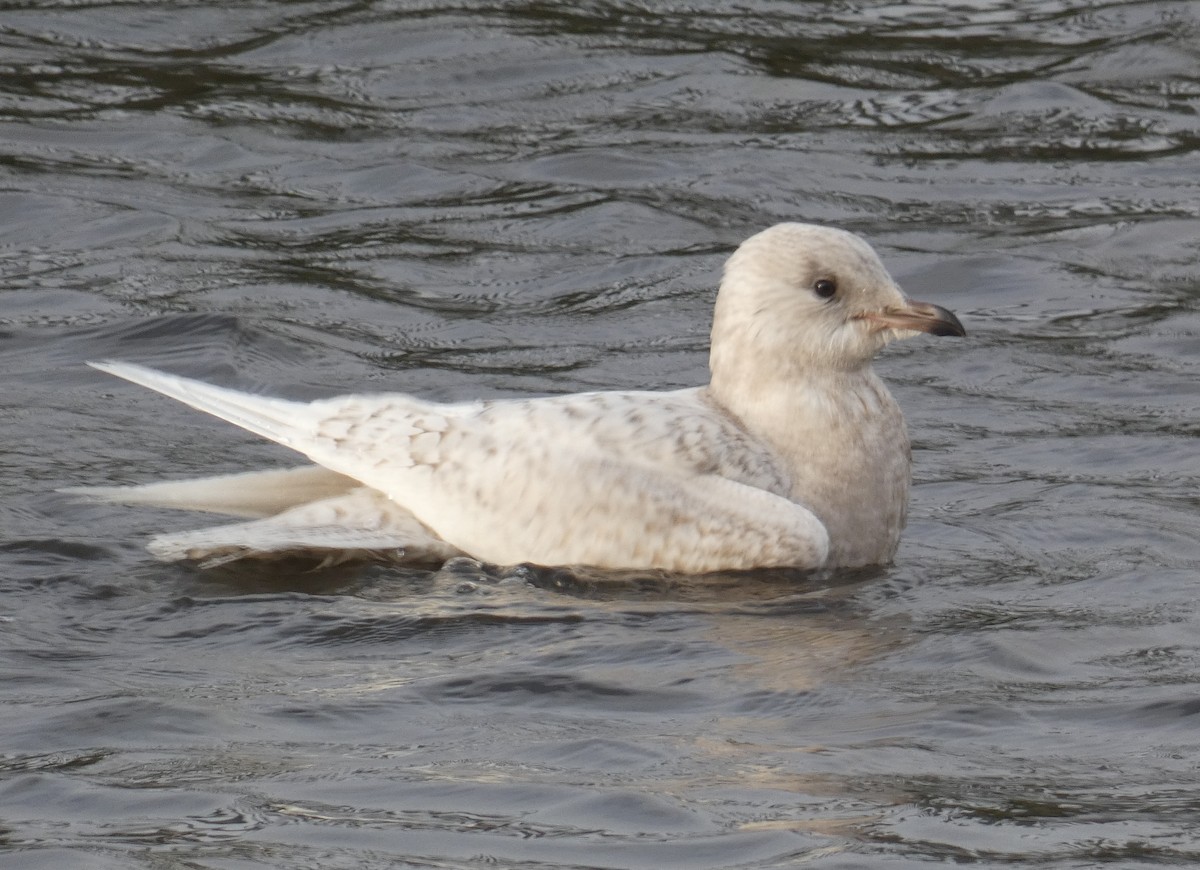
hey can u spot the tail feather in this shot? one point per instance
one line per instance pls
(361, 522)
(310, 509)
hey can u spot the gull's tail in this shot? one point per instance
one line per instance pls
(306, 510)
(361, 523)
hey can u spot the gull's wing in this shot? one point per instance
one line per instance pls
(295, 510)
(616, 480)
(247, 494)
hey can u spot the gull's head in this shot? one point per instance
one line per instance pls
(812, 297)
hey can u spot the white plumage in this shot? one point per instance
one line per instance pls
(794, 455)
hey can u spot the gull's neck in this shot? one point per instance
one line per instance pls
(842, 439)
(790, 404)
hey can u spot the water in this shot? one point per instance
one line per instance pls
(506, 199)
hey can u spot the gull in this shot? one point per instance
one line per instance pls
(794, 455)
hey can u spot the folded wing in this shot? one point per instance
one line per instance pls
(615, 480)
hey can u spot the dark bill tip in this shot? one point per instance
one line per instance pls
(945, 323)
(922, 317)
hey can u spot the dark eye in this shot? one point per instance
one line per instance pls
(825, 288)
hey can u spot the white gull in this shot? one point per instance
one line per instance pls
(795, 454)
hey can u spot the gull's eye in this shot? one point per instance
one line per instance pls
(825, 288)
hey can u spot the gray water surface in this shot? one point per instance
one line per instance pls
(509, 199)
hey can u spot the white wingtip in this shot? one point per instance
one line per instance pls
(143, 375)
(245, 494)
(276, 419)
